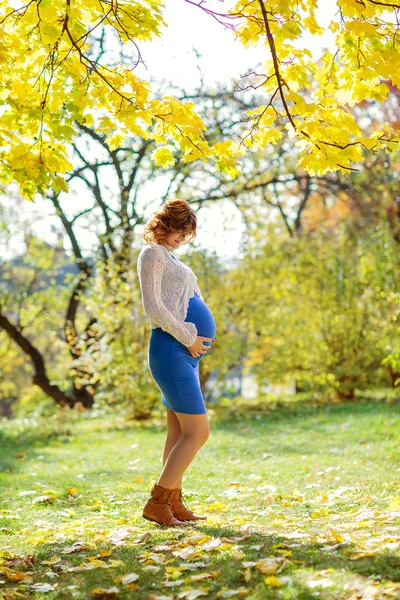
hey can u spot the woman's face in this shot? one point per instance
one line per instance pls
(174, 240)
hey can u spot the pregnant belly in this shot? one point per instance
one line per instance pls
(199, 314)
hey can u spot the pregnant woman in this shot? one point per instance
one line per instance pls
(182, 329)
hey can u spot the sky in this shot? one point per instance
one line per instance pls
(171, 57)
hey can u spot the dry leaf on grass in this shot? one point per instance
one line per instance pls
(273, 581)
(192, 594)
(15, 575)
(129, 578)
(268, 566)
(105, 593)
(25, 562)
(42, 587)
(76, 547)
(54, 560)
(173, 583)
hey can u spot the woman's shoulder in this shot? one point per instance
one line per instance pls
(152, 249)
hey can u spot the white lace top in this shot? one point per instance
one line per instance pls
(166, 284)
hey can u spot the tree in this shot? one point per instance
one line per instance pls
(53, 78)
(320, 309)
(311, 97)
(29, 313)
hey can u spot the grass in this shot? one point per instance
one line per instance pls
(315, 491)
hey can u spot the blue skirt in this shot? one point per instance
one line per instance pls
(174, 369)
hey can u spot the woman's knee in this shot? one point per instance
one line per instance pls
(197, 438)
(202, 435)
(196, 428)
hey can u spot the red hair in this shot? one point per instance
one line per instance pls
(174, 215)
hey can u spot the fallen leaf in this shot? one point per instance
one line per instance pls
(192, 594)
(129, 578)
(15, 575)
(96, 562)
(52, 561)
(358, 555)
(213, 519)
(105, 593)
(143, 537)
(25, 562)
(173, 583)
(173, 572)
(247, 575)
(202, 576)
(337, 536)
(268, 566)
(191, 566)
(216, 506)
(187, 553)
(324, 583)
(42, 587)
(45, 499)
(76, 547)
(230, 593)
(394, 503)
(273, 581)
(156, 558)
(51, 574)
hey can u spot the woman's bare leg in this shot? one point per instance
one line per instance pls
(174, 434)
(195, 432)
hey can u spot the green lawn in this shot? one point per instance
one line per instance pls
(303, 503)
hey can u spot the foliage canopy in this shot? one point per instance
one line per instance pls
(52, 78)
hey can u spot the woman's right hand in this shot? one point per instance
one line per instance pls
(199, 347)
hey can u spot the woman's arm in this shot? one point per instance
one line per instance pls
(150, 269)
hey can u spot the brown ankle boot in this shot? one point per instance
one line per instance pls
(179, 509)
(157, 507)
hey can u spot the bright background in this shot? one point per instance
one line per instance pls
(172, 58)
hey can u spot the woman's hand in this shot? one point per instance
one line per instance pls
(199, 347)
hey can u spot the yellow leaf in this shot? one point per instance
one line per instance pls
(105, 593)
(163, 156)
(15, 575)
(273, 581)
(52, 561)
(359, 555)
(60, 185)
(247, 575)
(115, 140)
(312, 25)
(213, 519)
(216, 506)
(268, 566)
(394, 503)
(337, 536)
(98, 563)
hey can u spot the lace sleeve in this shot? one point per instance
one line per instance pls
(150, 269)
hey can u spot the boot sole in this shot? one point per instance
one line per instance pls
(161, 524)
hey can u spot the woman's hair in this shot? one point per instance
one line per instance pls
(174, 215)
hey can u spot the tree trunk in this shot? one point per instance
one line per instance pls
(40, 377)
